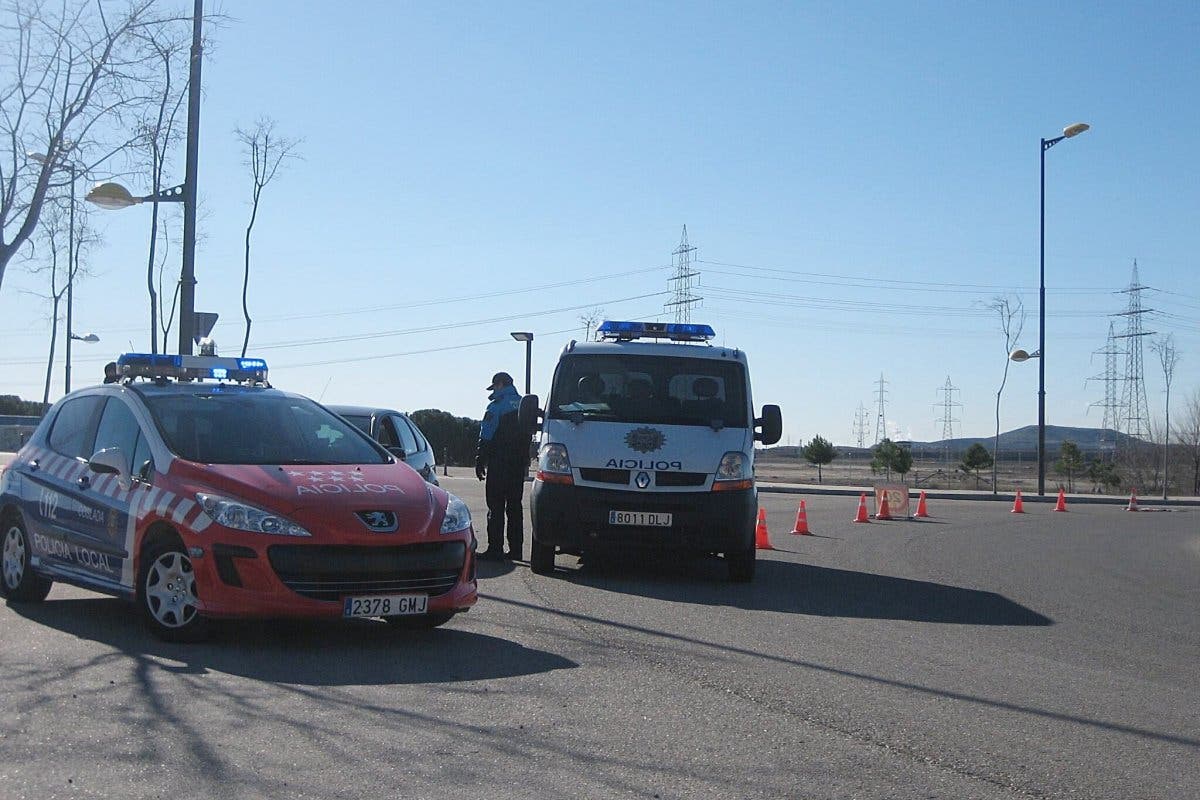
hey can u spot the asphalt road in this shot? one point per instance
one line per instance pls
(978, 654)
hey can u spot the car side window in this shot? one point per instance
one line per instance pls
(386, 434)
(407, 440)
(74, 428)
(142, 456)
(422, 444)
(118, 428)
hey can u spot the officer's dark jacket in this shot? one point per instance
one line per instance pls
(501, 443)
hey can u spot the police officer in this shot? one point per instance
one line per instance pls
(110, 373)
(502, 458)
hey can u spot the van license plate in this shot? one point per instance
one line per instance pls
(651, 519)
(385, 605)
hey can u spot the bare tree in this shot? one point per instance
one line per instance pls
(590, 319)
(1168, 357)
(158, 138)
(72, 76)
(265, 152)
(1187, 433)
(1011, 313)
(53, 256)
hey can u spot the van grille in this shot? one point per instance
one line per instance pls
(680, 478)
(596, 475)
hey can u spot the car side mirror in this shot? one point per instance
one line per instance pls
(111, 461)
(398, 452)
(771, 423)
(528, 414)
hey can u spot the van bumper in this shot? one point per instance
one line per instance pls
(575, 518)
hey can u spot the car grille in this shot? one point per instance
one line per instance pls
(324, 572)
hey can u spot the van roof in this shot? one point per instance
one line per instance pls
(650, 348)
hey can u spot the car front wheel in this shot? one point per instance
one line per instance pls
(18, 582)
(167, 595)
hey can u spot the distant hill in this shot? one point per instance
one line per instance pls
(1017, 443)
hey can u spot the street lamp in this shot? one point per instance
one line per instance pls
(1068, 132)
(114, 195)
(73, 169)
(90, 338)
(527, 338)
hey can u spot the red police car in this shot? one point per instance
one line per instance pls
(196, 490)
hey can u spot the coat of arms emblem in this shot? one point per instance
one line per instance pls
(645, 440)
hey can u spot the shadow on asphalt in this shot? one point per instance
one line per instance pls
(313, 653)
(802, 589)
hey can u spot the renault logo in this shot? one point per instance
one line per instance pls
(378, 521)
(642, 480)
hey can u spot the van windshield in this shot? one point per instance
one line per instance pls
(650, 389)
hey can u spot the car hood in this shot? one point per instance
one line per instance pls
(307, 492)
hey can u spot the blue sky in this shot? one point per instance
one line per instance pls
(859, 179)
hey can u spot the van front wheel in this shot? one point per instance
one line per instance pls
(541, 557)
(740, 564)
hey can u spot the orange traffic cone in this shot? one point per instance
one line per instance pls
(884, 512)
(762, 540)
(801, 528)
(1061, 505)
(862, 509)
(921, 510)
(1018, 504)
(1132, 502)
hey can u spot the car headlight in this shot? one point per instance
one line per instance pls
(458, 516)
(244, 517)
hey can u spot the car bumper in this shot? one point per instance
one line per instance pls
(276, 579)
(575, 518)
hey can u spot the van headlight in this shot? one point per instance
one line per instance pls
(457, 517)
(733, 472)
(554, 465)
(245, 517)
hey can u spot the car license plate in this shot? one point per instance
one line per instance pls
(385, 605)
(651, 519)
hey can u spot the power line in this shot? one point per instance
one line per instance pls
(1136, 409)
(881, 412)
(683, 297)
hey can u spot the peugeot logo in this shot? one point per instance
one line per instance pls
(378, 521)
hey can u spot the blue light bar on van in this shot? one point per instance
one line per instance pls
(675, 331)
(159, 366)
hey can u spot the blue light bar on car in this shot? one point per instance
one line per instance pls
(158, 366)
(675, 331)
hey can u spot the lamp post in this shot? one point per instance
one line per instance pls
(1068, 132)
(527, 338)
(114, 195)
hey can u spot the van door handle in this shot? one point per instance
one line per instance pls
(84, 481)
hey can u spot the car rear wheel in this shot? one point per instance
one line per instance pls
(541, 557)
(18, 582)
(167, 594)
(421, 622)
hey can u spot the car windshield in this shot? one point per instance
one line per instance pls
(649, 389)
(257, 428)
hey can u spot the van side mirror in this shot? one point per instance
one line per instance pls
(771, 423)
(528, 414)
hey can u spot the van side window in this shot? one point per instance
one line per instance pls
(74, 429)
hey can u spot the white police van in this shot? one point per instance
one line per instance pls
(647, 440)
